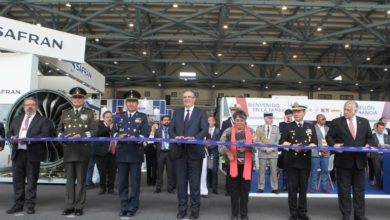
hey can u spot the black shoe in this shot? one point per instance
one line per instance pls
(194, 215)
(181, 214)
(130, 214)
(101, 191)
(260, 190)
(78, 212)
(275, 191)
(204, 196)
(303, 217)
(67, 211)
(30, 210)
(14, 209)
(244, 217)
(215, 191)
(157, 190)
(293, 217)
(111, 192)
(122, 213)
(171, 191)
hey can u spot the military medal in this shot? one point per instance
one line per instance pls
(80, 125)
(85, 126)
(84, 117)
(138, 120)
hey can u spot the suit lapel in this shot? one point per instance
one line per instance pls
(33, 123)
(19, 124)
(358, 126)
(344, 123)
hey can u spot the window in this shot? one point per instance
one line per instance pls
(324, 96)
(346, 97)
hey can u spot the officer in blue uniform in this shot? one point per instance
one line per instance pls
(130, 155)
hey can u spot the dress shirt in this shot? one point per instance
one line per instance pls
(23, 131)
(190, 112)
(381, 139)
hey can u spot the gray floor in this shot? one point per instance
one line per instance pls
(162, 206)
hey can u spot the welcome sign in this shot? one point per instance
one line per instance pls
(19, 36)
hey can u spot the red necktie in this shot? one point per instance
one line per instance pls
(113, 147)
(26, 122)
(352, 128)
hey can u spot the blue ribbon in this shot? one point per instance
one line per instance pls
(202, 142)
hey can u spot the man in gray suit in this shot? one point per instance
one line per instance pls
(382, 140)
(320, 159)
(268, 134)
(76, 122)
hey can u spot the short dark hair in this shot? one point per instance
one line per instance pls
(106, 112)
(380, 123)
(240, 114)
(381, 119)
(165, 116)
(288, 112)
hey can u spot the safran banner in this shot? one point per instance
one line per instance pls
(22, 37)
(256, 107)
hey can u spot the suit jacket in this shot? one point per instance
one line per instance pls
(160, 134)
(386, 140)
(339, 133)
(226, 124)
(135, 126)
(305, 135)
(2, 134)
(315, 153)
(213, 149)
(101, 147)
(39, 127)
(82, 123)
(197, 127)
(274, 139)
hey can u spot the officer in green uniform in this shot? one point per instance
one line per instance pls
(76, 122)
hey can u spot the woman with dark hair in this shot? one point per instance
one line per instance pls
(240, 163)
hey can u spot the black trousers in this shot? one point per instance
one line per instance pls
(375, 166)
(226, 167)
(151, 166)
(164, 161)
(107, 171)
(23, 169)
(239, 193)
(347, 178)
(297, 184)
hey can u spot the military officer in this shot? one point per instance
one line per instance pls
(298, 133)
(130, 155)
(77, 121)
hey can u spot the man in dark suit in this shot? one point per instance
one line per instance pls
(384, 121)
(382, 140)
(298, 161)
(282, 159)
(76, 122)
(352, 131)
(164, 159)
(213, 155)
(26, 156)
(105, 155)
(130, 155)
(227, 124)
(2, 135)
(189, 122)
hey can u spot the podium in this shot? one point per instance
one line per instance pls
(386, 173)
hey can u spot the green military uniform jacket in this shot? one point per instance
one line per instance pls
(82, 123)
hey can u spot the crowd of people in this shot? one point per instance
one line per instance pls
(192, 169)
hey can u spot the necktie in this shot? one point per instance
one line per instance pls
(186, 119)
(113, 147)
(267, 132)
(299, 125)
(352, 128)
(77, 111)
(166, 137)
(27, 121)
